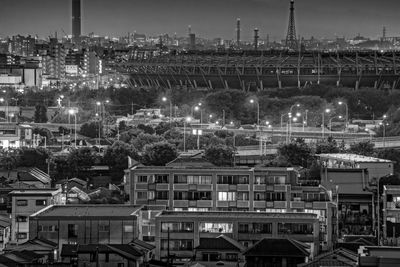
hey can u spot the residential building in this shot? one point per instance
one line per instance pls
(379, 256)
(25, 203)
(391, 215)
(337, 257)
(21, 45)
(111, 255)
(285, 252)
(352, 179)
(178, 233)
(13, 135)
(194, 188)
(5, 230)
(86, 224)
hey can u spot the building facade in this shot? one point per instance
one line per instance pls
(182, 188)
(180, 232)
(25, 203)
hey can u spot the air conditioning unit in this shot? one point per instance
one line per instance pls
(297, 199)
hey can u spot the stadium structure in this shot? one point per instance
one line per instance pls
(257, 70)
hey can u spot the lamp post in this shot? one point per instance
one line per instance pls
(198, 108)
(165, 99)
(198, 132)
(330, 123)
(72, 112)
(384, 124)
(252, 101)
(209, 118)
(323, 121)
(330, 194)
(290, 116)
(347, 111)
(187, 119)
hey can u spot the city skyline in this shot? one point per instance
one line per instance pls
(154, 17)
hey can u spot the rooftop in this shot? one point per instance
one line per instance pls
(59, 211)
(285, 247)
(41, 191)
(353, 158)
(237, 214)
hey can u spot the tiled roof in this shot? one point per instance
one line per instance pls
(338, 257)
(142, 244)
(352, 157)
(58, 211)
(34, 174)
(279, 247)
(4, 261)
(124, 250)
(219, 243)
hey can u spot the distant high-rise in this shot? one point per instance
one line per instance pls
(291, 39)
(238, 32)
(192, 41)
(76, 21)
(256, 39)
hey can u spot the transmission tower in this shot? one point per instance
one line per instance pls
(291, 40)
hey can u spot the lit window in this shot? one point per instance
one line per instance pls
(207, 227)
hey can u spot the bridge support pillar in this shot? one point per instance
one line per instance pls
(195, 84)
(280, 84)
(376, 85)
(337, 83)
(394, 85)
(243, 86)
(226, 84)
(210, 84)
(261, 85)
(357, 85)
(169, 84)
(181, 83)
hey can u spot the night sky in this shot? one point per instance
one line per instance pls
(209, 18)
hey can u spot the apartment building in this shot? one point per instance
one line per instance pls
(25, 203)
(184, 188)
(180, 233)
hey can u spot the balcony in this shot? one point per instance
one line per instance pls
(181, 187)
(222, 204)
(280, 204)
(204, 203)
(280, 188)
(259, 187)
(243, 187)
(222, 187)
(243, 204)
(141, 186)
(204, 187)
(297, 204)
(181, 203)
(162, 187)
(259, 204)
(320, 205)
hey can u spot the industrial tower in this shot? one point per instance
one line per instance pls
(238, 32)
(291, 39)
(76, 21)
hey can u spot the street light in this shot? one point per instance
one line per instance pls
(323, 121)
(198, 108)
(165, 99)
(187, 119)
(252, 101)
(290, 116)
(330, 123)
(347, 112)
(198, 132)
(72, 112)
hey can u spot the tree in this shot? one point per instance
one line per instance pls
(91, 129)
(145, 139)
(10, 160)
(327, 146)
(40, 114)
(220, 155)
(81, 159)
(116, 158)
(390, 154)
(146, 128)
(365, 148)
(158, 154)
(33, 157)
(297, 152)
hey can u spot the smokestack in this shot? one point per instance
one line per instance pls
(238, 32)
(256, 39)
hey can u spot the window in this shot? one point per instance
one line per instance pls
(177, 227)
(207, 227)
(243, 228)
(104, 228)
(259, 180)
(227, 196)
(295, 228)
(22, 202)
(177, 244)
(142, 195)
(22, 235)
(202, 195)
(262, 228)
(151, 195)
(180, 179)
(199, 179)
(2, 200)
(231, 257)
(142, 178)
(162, 178)
(72, 230)
(128, 228)
(181, 195)
(41, 202)
(243, 196)
(120, 264)
(47, 228)
(275, 179)
(22, 218)
(259, 196)
(233, 179)
(162, 195)
(275, 196)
